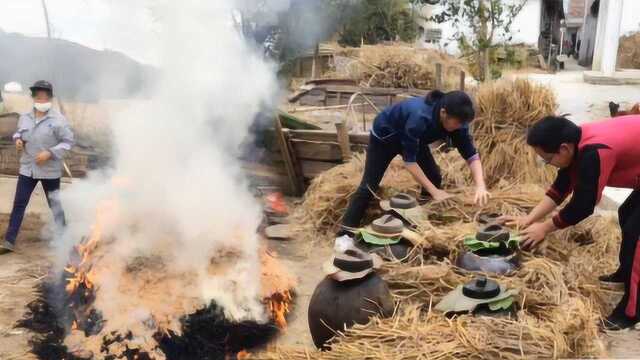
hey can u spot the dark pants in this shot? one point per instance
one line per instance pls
(629, 218)
(24, 189)
(379, 156)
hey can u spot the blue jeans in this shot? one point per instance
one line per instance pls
(24, 189)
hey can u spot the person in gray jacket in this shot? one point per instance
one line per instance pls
(43, 137)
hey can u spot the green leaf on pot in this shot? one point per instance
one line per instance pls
(503, 304)
(514, 242)
(377, 240)
(472, 244)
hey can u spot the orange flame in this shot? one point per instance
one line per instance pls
(275, 201)
(243, 355)
(278, 306)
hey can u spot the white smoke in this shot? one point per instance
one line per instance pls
(184, 195)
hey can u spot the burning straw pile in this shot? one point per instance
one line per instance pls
(147, 306)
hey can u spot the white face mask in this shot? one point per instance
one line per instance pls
(42, 107)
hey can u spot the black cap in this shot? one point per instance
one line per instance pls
(42, 85)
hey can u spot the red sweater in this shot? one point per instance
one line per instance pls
(608, 155)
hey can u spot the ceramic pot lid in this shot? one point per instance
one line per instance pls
(403, 201)
(481, 288)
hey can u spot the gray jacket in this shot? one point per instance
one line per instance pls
(51, 133)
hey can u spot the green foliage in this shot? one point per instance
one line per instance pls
(484, 19)
(374, 21)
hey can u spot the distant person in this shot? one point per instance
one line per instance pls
(43, 137)
(590, 157)
(406, 129)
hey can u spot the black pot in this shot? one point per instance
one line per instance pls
(500, 261)
(393, 252)
(335, 305)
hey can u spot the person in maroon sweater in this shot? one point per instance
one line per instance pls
(590, 157)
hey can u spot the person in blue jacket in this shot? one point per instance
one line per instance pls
(407, 128)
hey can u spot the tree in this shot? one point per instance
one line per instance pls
(484, 19)
(373, 21)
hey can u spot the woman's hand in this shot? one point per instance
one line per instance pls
(19, 144)
(43, 157)
(535, 234)
(482, 196)
(440, 195)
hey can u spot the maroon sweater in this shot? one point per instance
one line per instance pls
(608, 155)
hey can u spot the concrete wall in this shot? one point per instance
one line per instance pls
(630, 16)
(525, 28)
(630, 22)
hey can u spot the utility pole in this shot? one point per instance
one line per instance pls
(46, 18)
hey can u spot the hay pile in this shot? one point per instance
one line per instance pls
(559, 297)
(559, 306)
(398, 66)
(327, 198)
(629, 51)
(505, 111)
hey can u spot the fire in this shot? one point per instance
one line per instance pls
(278, 306)
(243, 355)
(275, 202)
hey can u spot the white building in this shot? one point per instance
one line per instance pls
(525, 28)
(538, 20)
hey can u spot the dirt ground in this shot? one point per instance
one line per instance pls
(19, 272)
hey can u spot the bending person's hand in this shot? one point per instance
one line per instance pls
(482, 196)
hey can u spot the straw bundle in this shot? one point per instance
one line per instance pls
(505, 111)
(412, 334)
(399, 66)
(629, 51)
(560, 304)
(327, 198)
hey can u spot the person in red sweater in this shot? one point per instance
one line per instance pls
(590, 157)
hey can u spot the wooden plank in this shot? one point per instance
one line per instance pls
(311, 169)
(462, 80)
(439, 79)
(328, 136)
(292, 122)
(295, 185)
(316, 150)
(343, 140)
(363, 90)
(346, 82)
(315, 97)
(265, 174)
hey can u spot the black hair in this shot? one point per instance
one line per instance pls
(456, 103)
(35, 90)
(552, 131)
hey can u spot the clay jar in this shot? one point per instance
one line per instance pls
(499, 261)
(337, 305)
(392, 252)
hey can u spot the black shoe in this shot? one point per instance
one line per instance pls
(617, 322)
(6, 247)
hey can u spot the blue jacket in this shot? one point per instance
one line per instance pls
(416, 122)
